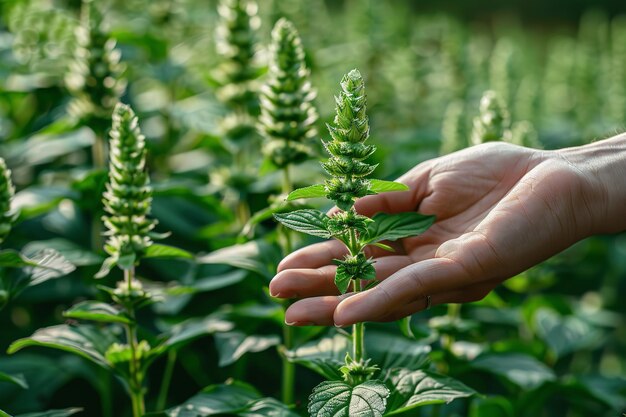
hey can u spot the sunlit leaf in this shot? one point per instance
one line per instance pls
(96, 311)
(398, 226)
(309, 221)
(256, 256)
(313, 191)
(14, 379)
(323, 356)
(191, 329)
(157, 250)
(522, 370)
(381, 186)
(54, 413)
(416, 388)
(338, 399)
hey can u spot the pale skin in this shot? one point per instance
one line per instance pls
(500, 209)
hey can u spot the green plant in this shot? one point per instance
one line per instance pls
(493, 122)
(287, 122)
(358, 391)
(453, 130)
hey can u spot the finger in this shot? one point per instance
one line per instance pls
(469, 294)
(307, 282)
(315, 311)
(414, 282)
(323, 253)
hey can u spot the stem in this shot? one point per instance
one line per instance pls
(454, 312)
(98, 155)
(167, 379)
(289, 368)
(136, 377)
(358, 330)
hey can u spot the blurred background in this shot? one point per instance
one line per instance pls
(559, 66)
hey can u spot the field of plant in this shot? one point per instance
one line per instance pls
(158, 159)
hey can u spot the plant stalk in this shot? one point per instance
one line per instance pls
(136, 377)
(289, 368)
(167, 379)
(358, 330)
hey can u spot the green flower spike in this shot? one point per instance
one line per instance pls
(127, 198)
(287, 113)
(95, 75)
(7, 217)
(236, 43)
(347, 148)
(493, 122)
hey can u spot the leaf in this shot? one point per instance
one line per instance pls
(74, 253)
(522, 370)
(491, 407)
(342, 279)
(257, 256)
(216, 282)
(383, 246)
(416, 388)
(313, 191)
(309, 221)
(267, 407)
(381, 186)
(189, 330)
(609, 390)
(324, 356)
(3, 414)
(50, 264)
(566, 334)
(216, 399)
(14, 379)
(338, 399)
(392, 351)
(233, 345)
(54, 413)
(397, 226)
(88, 341)
(10, 258)
(96, 311)
(108, 264)
(157, 250)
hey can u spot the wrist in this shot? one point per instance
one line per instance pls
(602, 173)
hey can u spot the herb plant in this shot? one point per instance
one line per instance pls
(359, 392)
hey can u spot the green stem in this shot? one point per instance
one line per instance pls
(289, 368)
(136, 377)
(167, 379)
(358, 330)
(454, 312)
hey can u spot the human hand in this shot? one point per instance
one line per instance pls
(500, 209)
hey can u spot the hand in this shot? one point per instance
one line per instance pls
(500, 209)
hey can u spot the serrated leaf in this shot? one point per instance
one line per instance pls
(338, 399)
(342, 279)
(54, 413)
(313, 191)
(90, 342)
(157, 250)
(309, 221)
(96, 311)
(415, 388)
(397, 226)
(14, 379)
(50, 264)
(381, 186)
(522, 370)
(233, 345)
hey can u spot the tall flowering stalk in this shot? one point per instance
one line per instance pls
(349, 168)
(493, 122)
(287, 123)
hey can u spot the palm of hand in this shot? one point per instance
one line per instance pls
(491, 201)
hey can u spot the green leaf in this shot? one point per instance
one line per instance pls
(324, 356)
(96, 311)
(392, 351)
(3, 414)
(233, 345)
(90, 342)
(10, 258)
(157, 250)
(338, 399)
(309, 221)
(381, 186)
(127, 261)
(342, 279)
(54, 413)
(397, 226)
(14, 379)
(74, 253)
(522, 370)
(491, 407)
(383, 246)
(566, 334)
(257, 256)
(50, 264)
(313, 191)
(108, 264)
(416, 388)
(189, 330)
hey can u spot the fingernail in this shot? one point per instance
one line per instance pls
(340, 325)
(299, 323)
(274, 294)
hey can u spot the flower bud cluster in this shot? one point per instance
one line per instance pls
(287, 113)
(493, 122)
(128, 196)
(347, 148)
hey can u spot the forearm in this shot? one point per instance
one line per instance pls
(603, 167)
